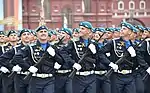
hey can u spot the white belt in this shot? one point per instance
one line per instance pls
(100, 72)
(23, 73)
(85, 73)
(63, 71)
(42, 75)
(124, 71)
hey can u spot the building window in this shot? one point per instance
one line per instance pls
(142, 4)
(131, 5)
(120, 5)
(87, 6)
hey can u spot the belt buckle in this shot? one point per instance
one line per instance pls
(85, 73)
(124, 71)
(43, 75)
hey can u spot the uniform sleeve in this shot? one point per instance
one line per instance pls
(102, 51)
(140, 56)
(18, 58)
(6, 58)
(57, 57)
(107, 48)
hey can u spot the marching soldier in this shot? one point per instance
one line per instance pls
(124, 76)
(85, 79)
(2, 38)
(144, 56)
(102, 85)
(42, 80)
(63, 83)
(6, 60)
(75, 34)
(7, 83)
(116, 32)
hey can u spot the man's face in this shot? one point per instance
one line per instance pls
(42, 34)
(75, 34)
(84, 31)
(125, 31)
(2, 38)
(145, 34)
(97, 35)
(133, 36)
(116, 34)
(65, 35)
(25, 37)
(13, 37)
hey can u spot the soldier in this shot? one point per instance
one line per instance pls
(85, 79)
(2, 38)
(138, 71)
(116, 32)
(102, 85)
(124, 77)
(54, 38)
(144, 56)
(6, 60)
(75, 34)
(63, 83)
(33, 37)
(7, 83)
(42, 80)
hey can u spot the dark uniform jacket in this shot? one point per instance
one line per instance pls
(33, 54)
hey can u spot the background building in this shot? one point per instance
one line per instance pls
(69, 13)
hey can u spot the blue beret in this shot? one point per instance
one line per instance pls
(75, 30)
(52, 32)
(147, 29)
(117, 29)
(11, 32)
(2, 33)
(24, 30)
(129, 26)
(140, 27)
(41, 28)
(109, 29)
(67, 30)
(99, 29)
(49, 33)
(86, 24)
(134, 29)
(33, 32)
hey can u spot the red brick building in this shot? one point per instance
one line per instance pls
(100, 12)
(96, 11)
(139, 10)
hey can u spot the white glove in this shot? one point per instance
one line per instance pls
(114, 66)
(131, 51)
(57, 66)
(108, 54)
(33, 69)
(51, 51)
(92, 48)
(148, 70)
(4, 69)
(16, 68)
(77, 66)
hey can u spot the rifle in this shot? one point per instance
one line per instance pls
(71, 75)
(120, 60)
(12, 75)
